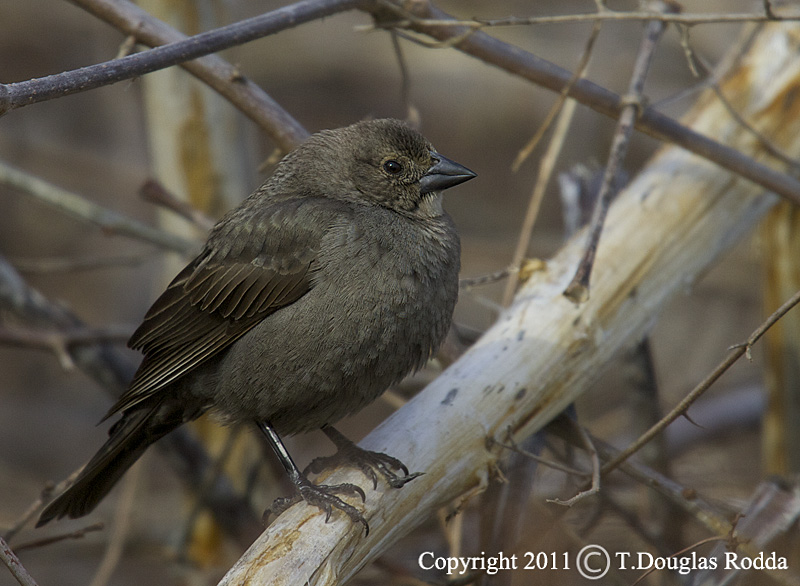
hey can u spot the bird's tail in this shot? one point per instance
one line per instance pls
(129, 438)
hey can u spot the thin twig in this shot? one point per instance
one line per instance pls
(154, 192)
(512, 446)
(30, 512)
(15, 566)
(565, 111)
(61, 342)
(578, 290)
(84, 210)
(678, 553)
(64, 338)
(580, 71)
(694, 60)
(77, 534)
(548, 75)
(594, 487)
(768, 12)
(468, 282)
(412, 113)
(614, 16)
(714, 516)
(734, 355)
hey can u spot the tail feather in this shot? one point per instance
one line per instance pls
(129, 438)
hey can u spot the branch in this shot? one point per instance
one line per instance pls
(615, 16)
(212, 69)
(548, 75)
(15, 566)
(24, 93)
(671, 223)
(683, 406)
(84, 210)
(578, 289)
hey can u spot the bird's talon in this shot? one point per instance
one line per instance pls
(367, 462)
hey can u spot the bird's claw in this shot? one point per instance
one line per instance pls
(322, 496)
(367, 462)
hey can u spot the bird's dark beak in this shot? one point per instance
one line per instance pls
(444, 173)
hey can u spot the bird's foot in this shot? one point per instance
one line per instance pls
(368, 462)
(324, 498)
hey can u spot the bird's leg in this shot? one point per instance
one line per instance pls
(368, 462)
(321, 496)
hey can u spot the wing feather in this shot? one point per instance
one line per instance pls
(222, 294)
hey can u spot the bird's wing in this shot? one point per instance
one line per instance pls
(250, 268)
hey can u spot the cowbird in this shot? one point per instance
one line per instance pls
(333, 280)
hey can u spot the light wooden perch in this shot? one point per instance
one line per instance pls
(672, 222)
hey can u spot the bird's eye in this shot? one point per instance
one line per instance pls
(392, 167)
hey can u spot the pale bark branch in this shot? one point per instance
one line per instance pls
(671, 223)
(13, 564)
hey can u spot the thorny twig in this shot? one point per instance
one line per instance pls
(578, 290)
(736, 352)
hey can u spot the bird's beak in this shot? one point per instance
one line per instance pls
(443, 174)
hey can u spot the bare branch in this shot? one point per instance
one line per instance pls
(578, 289)
(681, 408)
(14, 565)
(77, 534)
(84, 210)
(212, 69)
(16, 95)
(546, 74)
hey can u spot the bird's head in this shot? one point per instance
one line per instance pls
(381, 162)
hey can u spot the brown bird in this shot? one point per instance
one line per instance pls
(333, 280)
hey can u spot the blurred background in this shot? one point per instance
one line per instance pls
(326, 74)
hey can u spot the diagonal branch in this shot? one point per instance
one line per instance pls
(541, 72)
(16, 95)
(212, 69)
(10, 559)
(84, 210)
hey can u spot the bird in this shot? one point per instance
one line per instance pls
(332, 281)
